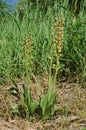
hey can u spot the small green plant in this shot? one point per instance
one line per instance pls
(48, 101)
(24, 94)
(46, 104)
(26, 102)
(26, 98)
(15, 108)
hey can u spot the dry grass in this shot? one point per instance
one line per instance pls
(70, 110)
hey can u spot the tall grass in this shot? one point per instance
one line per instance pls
(39, 23)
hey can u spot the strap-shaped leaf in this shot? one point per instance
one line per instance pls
(47, 113)
(52, 100)
(43, 104)
(34, 106)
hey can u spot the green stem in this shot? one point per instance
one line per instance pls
(27, 81)
(56, 72)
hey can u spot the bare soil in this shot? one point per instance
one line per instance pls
(70, 110)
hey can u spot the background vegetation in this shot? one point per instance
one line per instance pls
(35, 17)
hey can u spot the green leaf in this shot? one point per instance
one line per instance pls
(47, 113)
(34, 106)
(15, 108)
(43, 104)
(27, 96)
(47, 105)
(14, 92)
(83, 129)
(29, 99)
(15, 84)
(52, 100)
(50, 90)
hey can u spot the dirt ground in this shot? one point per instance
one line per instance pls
(70, 110)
